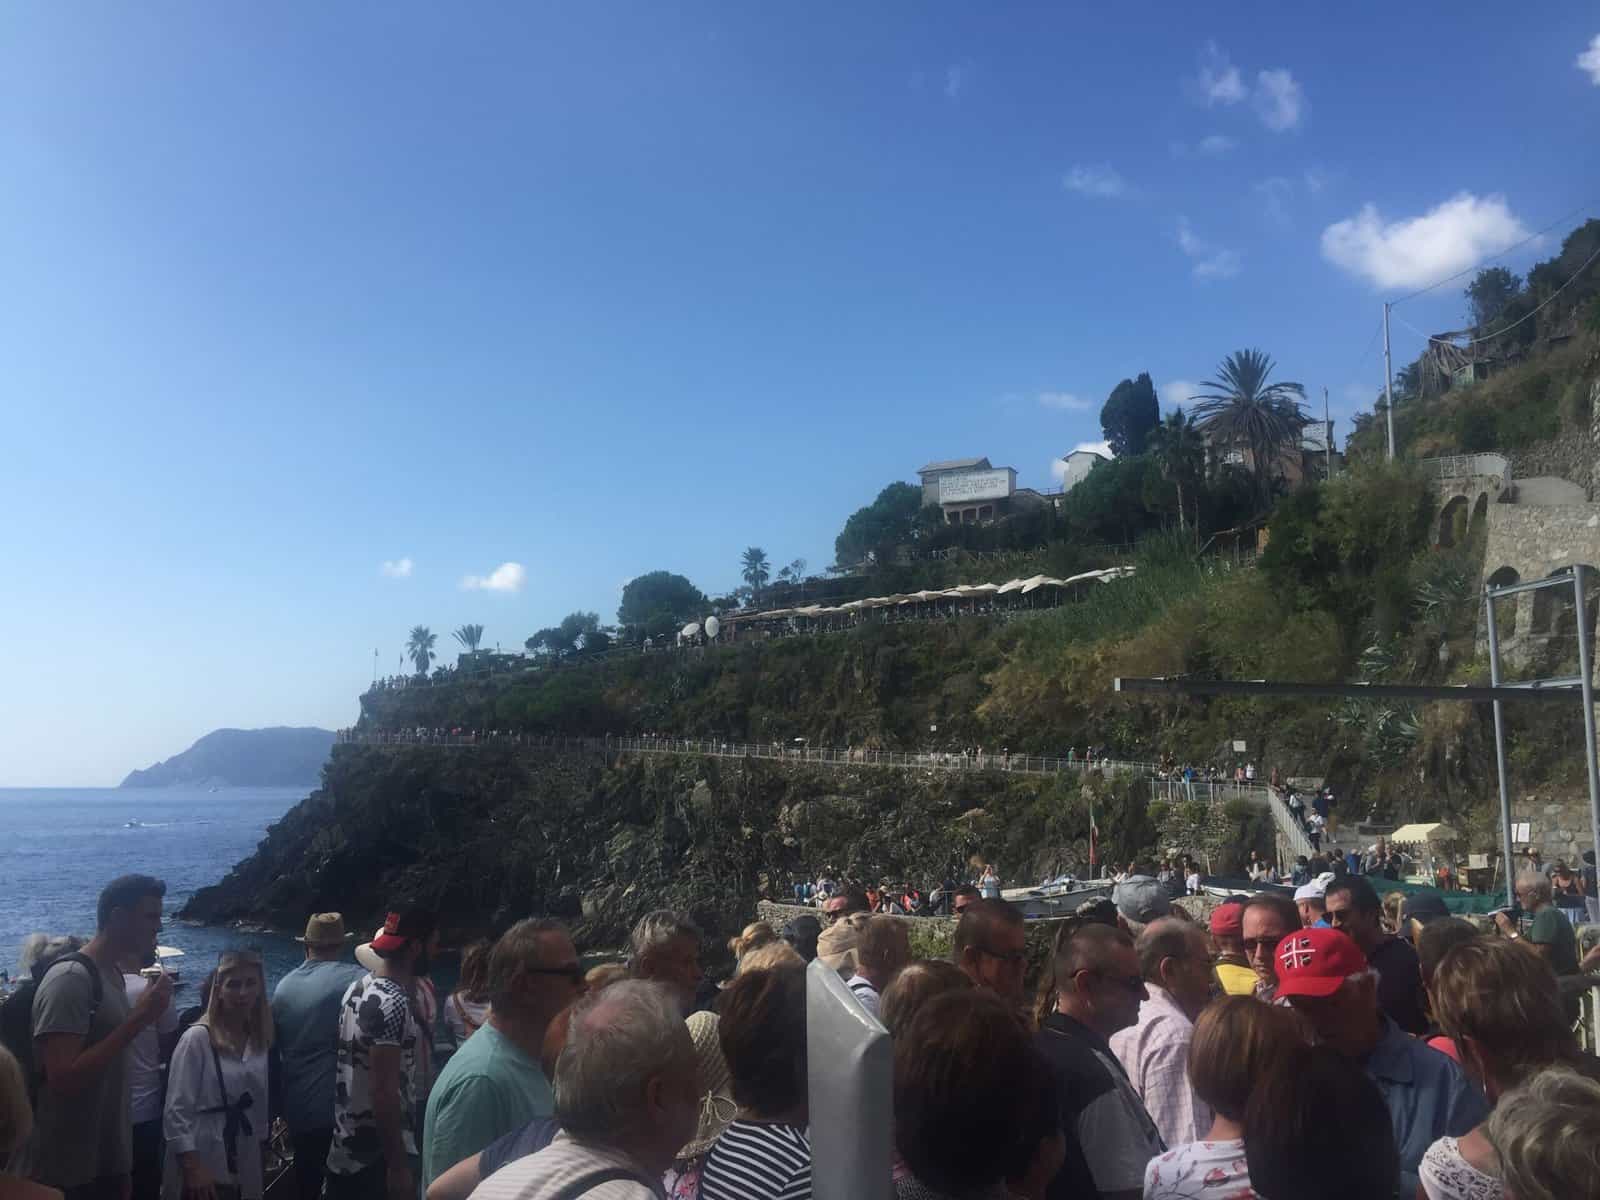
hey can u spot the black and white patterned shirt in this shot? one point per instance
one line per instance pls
(374, 1012)
(753, 1160)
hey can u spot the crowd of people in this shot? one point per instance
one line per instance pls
(1289, 1050)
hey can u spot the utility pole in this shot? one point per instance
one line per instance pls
(1388, 374)
(1327, 431)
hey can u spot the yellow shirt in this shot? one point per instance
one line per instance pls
(1236, 980)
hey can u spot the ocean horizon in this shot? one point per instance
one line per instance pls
(62, 845)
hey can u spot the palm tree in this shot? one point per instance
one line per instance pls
(1242, 408)
(1179, 452)
(420, 647)
(469, 636)
(756, 568)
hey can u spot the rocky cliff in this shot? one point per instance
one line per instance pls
(487, 835)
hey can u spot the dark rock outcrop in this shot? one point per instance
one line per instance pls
(490, 834)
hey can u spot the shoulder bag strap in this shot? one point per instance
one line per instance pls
(587, 1184)
(235, 1118)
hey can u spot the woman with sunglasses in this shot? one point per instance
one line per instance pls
(216, 1113)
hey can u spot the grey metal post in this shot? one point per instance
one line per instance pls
(1500, 749)
(1584, 657)
(1388, 374)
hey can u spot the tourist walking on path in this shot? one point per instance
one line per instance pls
(376, 1132)
(1235, 1041)
(1324, 976)
(216, 1115)
(627, 1098)
(1352, 907)
(493, 1084)
(83, 1026)
(305, 1008)
(1110, 1137)
(1176, 966)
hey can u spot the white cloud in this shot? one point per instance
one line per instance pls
(399, 568)
(1058, 466)
(1316, 179)
(1418, 250)
(1178, 393)
(1210, 261)
(1280, 101)
(1213, 145)
(1274, 193)
(1218, 81)
(955, 81)
(1067, 401)
(1589, 61)
(507, 577)
(1094, 179)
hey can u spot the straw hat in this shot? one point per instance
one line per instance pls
(717, 1105)
(325, 929)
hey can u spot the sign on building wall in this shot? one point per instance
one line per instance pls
(974, 485)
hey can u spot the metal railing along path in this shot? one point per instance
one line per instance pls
(1167, 785)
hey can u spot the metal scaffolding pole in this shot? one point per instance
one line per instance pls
(1584, 669)
(1500, 748)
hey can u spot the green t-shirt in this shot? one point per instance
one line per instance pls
(1551, 928)
(488, 1088)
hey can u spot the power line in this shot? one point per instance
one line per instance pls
(1571, 279)
(1538, 233)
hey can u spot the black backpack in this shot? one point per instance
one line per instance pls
(16, 1015)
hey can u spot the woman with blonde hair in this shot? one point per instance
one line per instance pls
(216, 1115)
(754, 935)
(1500, 1004)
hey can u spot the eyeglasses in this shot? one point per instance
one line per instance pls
(1265, 944)
(1132, 983)
(961, 908)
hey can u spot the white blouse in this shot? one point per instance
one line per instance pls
(1447, 1176)
(192, 1088)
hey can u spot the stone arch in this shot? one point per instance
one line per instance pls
(1452, 522)
(1480, 514)
(1506, 614)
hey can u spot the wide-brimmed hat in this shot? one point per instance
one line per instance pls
(714, 1084)
(325, 929)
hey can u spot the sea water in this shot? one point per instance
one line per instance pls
(60, 846)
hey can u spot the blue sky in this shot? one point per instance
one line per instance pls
(296, 290)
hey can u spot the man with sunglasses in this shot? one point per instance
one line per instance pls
(494, 1085)
(1110, 1136)
(1269, 917)
(991, 947)
(963, 898)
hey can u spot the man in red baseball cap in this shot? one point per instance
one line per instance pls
(1323, 975)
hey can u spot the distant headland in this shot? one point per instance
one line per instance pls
(278, 757)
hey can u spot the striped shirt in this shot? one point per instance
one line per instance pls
(757, 1161)
(864, 992)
